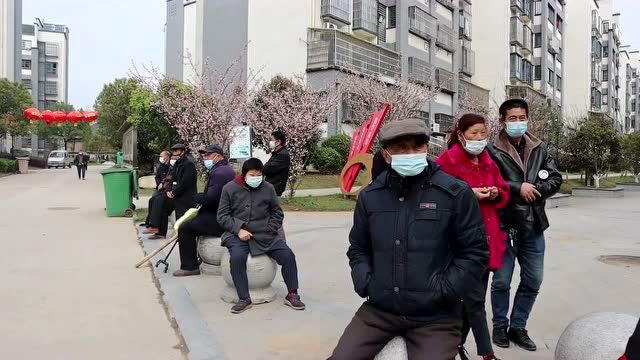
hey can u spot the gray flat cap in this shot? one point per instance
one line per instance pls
(178, 147)
(396, 129)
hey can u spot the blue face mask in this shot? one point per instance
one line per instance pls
(209, 164)
(253, 181)
(516, 128)
(409, 164)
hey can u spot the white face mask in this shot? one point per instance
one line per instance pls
(272, 145)
(173, 162)
(475, 147)
(162, 160)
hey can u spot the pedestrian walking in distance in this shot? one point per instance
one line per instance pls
(81, 162)
(276, 170)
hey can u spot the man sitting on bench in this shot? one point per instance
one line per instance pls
(250, 214)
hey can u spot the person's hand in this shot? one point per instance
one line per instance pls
(170, 194)
(481, 193)
(493, 193)
(244, 235)
(529, 193)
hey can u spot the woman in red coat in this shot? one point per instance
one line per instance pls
(468, 161)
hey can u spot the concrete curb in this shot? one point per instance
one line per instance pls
(200, 341)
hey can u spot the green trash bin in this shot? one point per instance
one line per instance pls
(119, 188)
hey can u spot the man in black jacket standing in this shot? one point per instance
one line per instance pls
(276, 170)
(417, 239)
(185, 180)
(532, 175)
(206, 223)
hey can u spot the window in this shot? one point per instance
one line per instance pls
(527, 69)
(26, 83)
(605, 27)
(516, 66)
(51, 49)
(391, 17)
(605, 75)
(558, 82)
(537, 73)
(26, 44)
(51, 68)
(551, 15)
(633, 105)
(605, 51)
(633, 89)
(559, 24)
(51, 88)
(596, 98)
(537, 7)
(26, 64)
(550, 77)
(537, 42)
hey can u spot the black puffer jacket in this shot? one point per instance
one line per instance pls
(415, 242)
(276, 170)
(541, 172)
(186, 181)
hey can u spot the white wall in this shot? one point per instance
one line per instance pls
(491, 45)
(577, 70)
(190, 43)
(277, 37)
(7, 41)
(61, 41)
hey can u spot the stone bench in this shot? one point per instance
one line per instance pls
(603, 193)
(261, 271)
(210, 251)
(596, 336)
(396, 349)
(632, 187)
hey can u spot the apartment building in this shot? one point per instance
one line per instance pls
(425, 41)
(633, 76)
(522, 53)
(10, 33)
(45, 62)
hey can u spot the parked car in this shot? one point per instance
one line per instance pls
(59, 159)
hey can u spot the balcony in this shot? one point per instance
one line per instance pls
(527, 44)
(365, 17)
(332, 49)
(467, 61)
(553, 45)
(336, 9)
(445, 122)
(517, 5)
(446, 38)
(422, 24)
(446, 80)
(596, 23)
(449, 4)
(527, 11)
(465, 6)
(464, 28)
(617, 81)
(420, 71)
(523, 92)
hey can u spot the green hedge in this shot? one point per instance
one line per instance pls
(328, 161)
(341, 143)
(8, 166)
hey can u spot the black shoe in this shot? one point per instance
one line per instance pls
(143, 225)
(500, 337)
(241, 306)
(462, 352)
(521, 338)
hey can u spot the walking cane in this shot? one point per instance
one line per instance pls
(190, 214)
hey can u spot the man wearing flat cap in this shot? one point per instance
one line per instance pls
(417, 239)
(220, 173)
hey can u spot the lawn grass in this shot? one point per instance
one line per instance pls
(568, 185)
(319, 203)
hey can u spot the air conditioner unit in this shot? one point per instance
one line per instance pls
(330, 26)
(435, 127)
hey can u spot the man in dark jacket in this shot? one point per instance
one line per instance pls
(533, 177)
(251, 216)
(185, 183)
(276, 170)
(81, 162)
(220, 173)
(417, 240)
(157, 199)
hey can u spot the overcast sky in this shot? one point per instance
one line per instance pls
(110, 34)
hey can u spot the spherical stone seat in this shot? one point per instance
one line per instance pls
(210, 251)
(396, 349)
(596, 336)
(261, 271)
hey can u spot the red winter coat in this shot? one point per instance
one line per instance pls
(456, 162)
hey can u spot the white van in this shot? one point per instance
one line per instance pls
(59, 158)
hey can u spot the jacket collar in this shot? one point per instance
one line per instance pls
(458, 156)
(220, 163)
(503, 143)
(276, 152)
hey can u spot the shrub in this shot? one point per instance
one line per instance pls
(328, 161)
(341, 143)
(8, 166)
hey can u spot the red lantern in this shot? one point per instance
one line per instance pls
(59, 117)
(32, 114)
(75, 117)
(47, 116)
(90, 116)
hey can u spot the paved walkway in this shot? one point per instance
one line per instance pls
(576, 283)
(69, 287)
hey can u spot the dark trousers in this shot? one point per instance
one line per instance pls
(529, 250)
(167, 208)
(82, 170)
(371, 329)
(633, 347)
(156, 210)
(280, 252)
(156, 193)
(474, 315)
(203, 224)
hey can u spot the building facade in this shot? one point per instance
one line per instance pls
(424, 41)
(45, 62)
(10, 34)
(522, 52)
